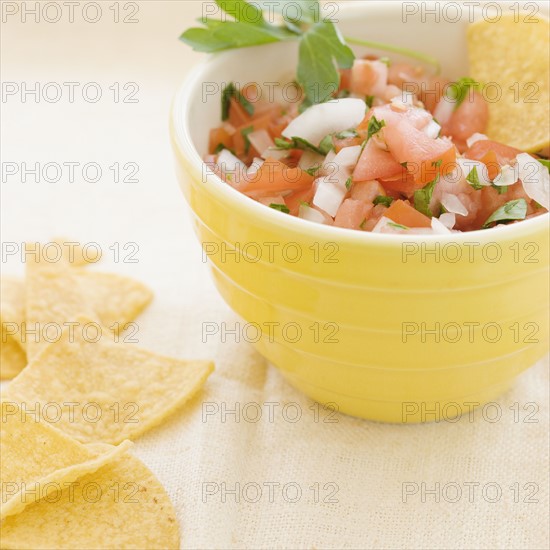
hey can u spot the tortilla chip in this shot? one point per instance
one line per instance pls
(134, 511)
(127, 390)
(74, 252)
(13, 358)
(57, 294)
(38, 458)
(12, 306)
(12, 313)
(514, 55)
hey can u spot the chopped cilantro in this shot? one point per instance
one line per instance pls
(280, 207)
(368, 100)
(512, 210)
(343, 94)
(296, 143)
(459, 90)
(545, 162)
(245, 133)
(404, 164)
(326, 145)
(374, 126)
(397, 225)
(348, 183)
(422, 197)
(313, 170)
(502, 189)
(231, 91)
(381, 199)
(362, 224)
(473, 179)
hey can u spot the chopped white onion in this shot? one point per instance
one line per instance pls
(275, 154)
(467, 165)
(444, 110)
(439, 228)
(228, 162)
(453, 204)
(448, 219)
(508, 176)
(474, 138)
(310, 214)
(255, 166)
(329, 195)
(310, 159)
(348, 156)
(326, 118)
(261, 141)
(432, 129)
(535, 179)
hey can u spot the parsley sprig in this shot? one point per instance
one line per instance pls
(322, 49)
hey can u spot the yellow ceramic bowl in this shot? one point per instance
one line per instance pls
(386, 327)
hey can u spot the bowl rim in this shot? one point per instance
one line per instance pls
(181, 131)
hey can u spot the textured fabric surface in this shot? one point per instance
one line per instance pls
(346, 476)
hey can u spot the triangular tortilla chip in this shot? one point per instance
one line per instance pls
(133, 389)
(57, 294)
(511, 56)
(13, 358)
(134, 512)
(38, 458)
(12, 313)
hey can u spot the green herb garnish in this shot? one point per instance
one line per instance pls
(502, 189)
(231, 91)
(374, 126)
(512, 210)
(322, 49)
(458, 90)
(422, 197)
(545, 162)
(280, 207)
(348, 183)
(296, 143)
(326, 145)
(398, 225)
(473, 179)
(245, 133)
(404, 164)
(362, 224)
(381, 199)
(342, 94)
(368, 100)
(313, 170)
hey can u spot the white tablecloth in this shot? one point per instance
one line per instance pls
(313, 483)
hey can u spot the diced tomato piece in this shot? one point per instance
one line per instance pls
(275, 176)
(219, 136)
(420, 152)
(237, 114)
(375, 163)
(295, 198)
(368, 77)
(345, 79)
(472, 116)
(263, 108)
(352, 214)
(260, 123)
(366, 191)
(403, 213)
(374, 217)
(403, 185)
(493, 154)
(504, 153)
